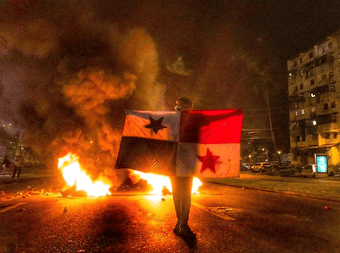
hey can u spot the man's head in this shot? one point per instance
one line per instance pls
(183, 104)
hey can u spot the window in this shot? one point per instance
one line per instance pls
(301, 86)
(312, 112)
(318, 99)
(295, 63)
(308, 71)
(331, 88)
(312, 82)
(314, 122)
(335, 135)
(323, 77)
(326, 135)
(312, 95)
(300, 60)
(333, 104)
(295, 88)
(296, 105)
(330, 45)
(331, 75)
(303, 138)
(301, 72)
(314, 136)
(303, 112)
(297, 138)
(296, 113)
(310, 55)
(325, 106)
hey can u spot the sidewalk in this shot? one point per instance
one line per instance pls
(327, 188)
(37, 179)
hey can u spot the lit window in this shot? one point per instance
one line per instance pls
(314, 122)
(303, 112)
(296, 113)
(312, 95)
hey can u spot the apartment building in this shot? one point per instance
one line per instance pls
(314, 102)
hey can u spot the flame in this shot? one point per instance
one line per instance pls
(158, 182)
(74, 175)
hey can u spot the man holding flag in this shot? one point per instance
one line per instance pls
(181, 145)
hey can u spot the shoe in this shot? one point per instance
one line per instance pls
(186, 231)
(183, 230)
(176, 228)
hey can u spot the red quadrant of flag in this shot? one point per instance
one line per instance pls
(211, 126)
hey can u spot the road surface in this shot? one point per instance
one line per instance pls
(225, 219)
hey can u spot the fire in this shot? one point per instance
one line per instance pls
(75, 175)
(158, 182)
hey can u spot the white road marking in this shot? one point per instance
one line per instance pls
(208, 209)
(11, 207)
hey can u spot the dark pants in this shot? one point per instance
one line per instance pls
(17, 169)
(181, 191)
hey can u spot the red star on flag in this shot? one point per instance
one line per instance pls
(208, 161)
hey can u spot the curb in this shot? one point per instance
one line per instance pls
(297, 194)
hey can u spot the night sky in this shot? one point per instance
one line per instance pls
(69, 68)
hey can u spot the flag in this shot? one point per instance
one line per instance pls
(202, 143)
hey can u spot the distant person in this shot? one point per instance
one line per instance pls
(19, 163)
(6, 163)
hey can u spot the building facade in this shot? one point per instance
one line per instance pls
(314, 102)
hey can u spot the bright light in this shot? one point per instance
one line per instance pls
(74, 174)
(159, 182)
(314, 122)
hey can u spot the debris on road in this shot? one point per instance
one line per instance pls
(68, 191)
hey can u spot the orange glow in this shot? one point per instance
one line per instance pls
(158, 182)
(74, 174)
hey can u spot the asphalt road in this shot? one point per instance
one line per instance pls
(226, 219)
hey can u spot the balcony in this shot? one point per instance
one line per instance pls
(328, 127)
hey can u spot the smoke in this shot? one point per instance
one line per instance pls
(66, 77)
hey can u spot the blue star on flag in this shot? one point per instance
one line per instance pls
(156, 125)
(208, 161)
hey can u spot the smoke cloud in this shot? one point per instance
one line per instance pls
(66, 77)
